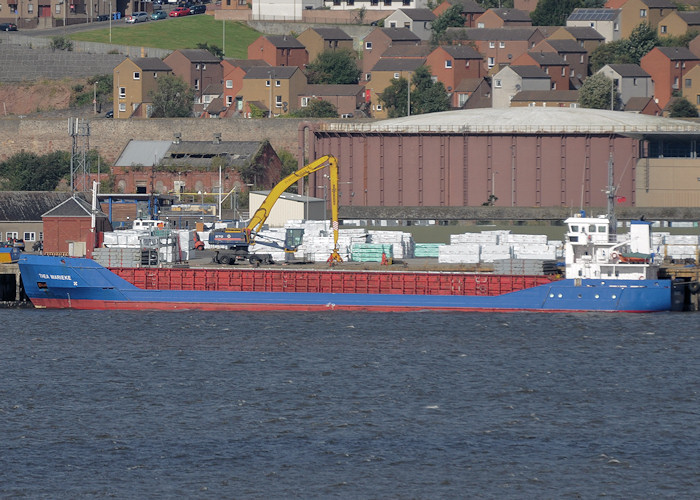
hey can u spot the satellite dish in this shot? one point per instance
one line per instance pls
(517, 87)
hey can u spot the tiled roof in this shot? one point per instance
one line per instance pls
(691, 18)
(151, 64)
(25, 206)
(565, 46)
(332, 34)
(285, 42)
(469, 6)
(547, 58)
(281, 72)
(583, 33)
(199, 55)
(397, 64)
(629, 70)
(512, 15)
(414, 51)
(400, 34)
(528, 71)
(505, 33)
(461, 52)
(468, 84)
(419, 14)
(73, 207)
(637, 103)
(246, 64)
(677, 53)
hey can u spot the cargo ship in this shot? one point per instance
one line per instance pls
(598, 277)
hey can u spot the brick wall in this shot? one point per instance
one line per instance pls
(109, 137)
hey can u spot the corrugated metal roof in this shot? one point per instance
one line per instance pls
(144, 153)
(523, 120)
(201, 153)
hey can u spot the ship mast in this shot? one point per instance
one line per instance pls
(611, 198)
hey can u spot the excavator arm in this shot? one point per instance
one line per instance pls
(261, 214)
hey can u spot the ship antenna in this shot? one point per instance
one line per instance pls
(611, 197)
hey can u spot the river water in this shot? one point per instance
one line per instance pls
(349, 405)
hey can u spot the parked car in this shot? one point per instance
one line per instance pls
(109, 114)
(179, 12)
(198, 9)
(159, 14)
(8, 27)
(137, 17)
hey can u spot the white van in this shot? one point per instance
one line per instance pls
(137, 17)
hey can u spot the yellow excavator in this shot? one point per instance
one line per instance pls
(238, 240)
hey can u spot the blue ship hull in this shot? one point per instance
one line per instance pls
(62, 282)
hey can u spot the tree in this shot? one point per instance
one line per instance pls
(429, 96)
(609, 53)
(289, 166)
(595, 92)
(553, 12)
(172, 99)
(426, 96)
(337, 67)
(31, 172)
(212, 49)
(642, 39)
(316, 108)
(679, 41)
(682, 108)
(496, 4)
(451, 18)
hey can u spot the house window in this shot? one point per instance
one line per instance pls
(374, 2)
(351, 2)
(664, 29)
(368, 45)
(697, 99)
(407, 25)
(573, 105)
(368, 76)
(642, 13)
(448, 63)
(137, 75)
(531, 104)
(492, 45)
(278, 83)
(229, 100)
(675, 83)
(122, 107)
(392, 24)
(616, 26)
(155, 75)
(554, 86)
(581, 59)
(396, 76)
(267, 83)
(461, 99)
(304, 102)
(278, 101)
(204, 67)
(387, 2)
(479, 25)
(336, 2)
(122, 92)
(29, 236)
(501, 45)
(196, 84)
(688, 82)
(229, 84)
(466, 64)
(491, 62)
(683, 65)
(196, 66)
(563, 71)
(407, 2)
(592, 25)
(379, 107)
(12, 235)
(497, 83)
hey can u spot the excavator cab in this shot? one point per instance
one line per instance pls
(292, 239)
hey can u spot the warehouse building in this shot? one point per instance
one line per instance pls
(516, 157)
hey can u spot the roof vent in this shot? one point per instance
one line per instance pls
(217, 138)
(178, 135)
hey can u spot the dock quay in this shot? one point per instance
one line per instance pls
(11, 291)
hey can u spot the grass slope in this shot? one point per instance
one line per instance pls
(178, 33)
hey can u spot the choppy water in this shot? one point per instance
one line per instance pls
(348, 405)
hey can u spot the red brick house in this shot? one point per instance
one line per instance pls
(68, 228)
(667, 67)
(379, 40)
(234, 70)
(470, 10)
(199, 68)
(451, 64)
(279, 50)
(551, 63)
(499, 18)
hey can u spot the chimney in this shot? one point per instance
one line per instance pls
(217, 138)
(177, 138)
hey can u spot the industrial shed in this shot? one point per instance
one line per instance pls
(525, 157)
